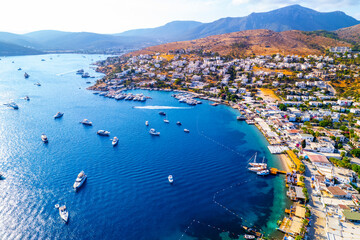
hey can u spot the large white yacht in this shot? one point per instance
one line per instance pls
(81, 178)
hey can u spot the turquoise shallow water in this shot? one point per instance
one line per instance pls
(127, 195)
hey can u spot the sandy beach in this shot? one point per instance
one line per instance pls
(285, 162)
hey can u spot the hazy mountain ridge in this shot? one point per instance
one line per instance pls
(293, 17)
(8, 49)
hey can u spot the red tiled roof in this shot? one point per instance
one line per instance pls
(336, 191)
(318, 159)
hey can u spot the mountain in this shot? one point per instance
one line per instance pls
(252, 42)
(8, 49)
(351, 34)
(17, 39)
(61, 41)
(172, 31)
(294, 17)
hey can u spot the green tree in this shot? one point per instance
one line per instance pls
(282, 107)
(355, 152)
(303, 144)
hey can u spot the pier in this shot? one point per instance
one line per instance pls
(275, 171)
(277, 149)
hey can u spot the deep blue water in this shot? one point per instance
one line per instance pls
(127, 195)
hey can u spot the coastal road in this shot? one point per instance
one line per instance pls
(318, 217)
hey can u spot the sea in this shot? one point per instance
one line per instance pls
(127, 194)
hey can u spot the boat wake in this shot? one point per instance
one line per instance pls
(161, 107)
(60, 74)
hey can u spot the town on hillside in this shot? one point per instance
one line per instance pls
(308, 108)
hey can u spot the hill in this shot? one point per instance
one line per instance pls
(294, 17)
(253, 42)
(351, 34)
(173, 31)
(8, 49)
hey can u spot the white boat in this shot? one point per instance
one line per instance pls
(256, 169)
(263, 172)
(81, 178)
(153, 132)
(58, 115)
(44, 138)
(247, 236)
(115, 141)
(85, 75)
(64, 214)
(103, 133)
(80, 72)
(256, 164)
(12, 105)
(171, 179)
(178, 123)
(186, 130)
(86, 122)
(166, 121)
(147, 123)
(37, 84)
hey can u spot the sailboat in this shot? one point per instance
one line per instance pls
(255, 166)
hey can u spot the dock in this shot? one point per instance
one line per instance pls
(277, 149)
(275, 171)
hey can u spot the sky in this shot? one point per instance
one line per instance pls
(115, 16)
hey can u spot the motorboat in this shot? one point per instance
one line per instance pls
(171, 179)
(80, 72)
(147, 123)
(44, 138)
(12, 105)
(64, 214)
(103, 133)
(247, 236)
(263, 172)
(85, 75)
(241, 118)
(162, 113)
(81, 178)
(186, 130)
(58, 115)
(129, 97)
(153, 132)
(26, 75)
(178, 123)
(115, 141)
(27, 98)
(19, 69)
(37, 84)
(166, 121)
(86, 122)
